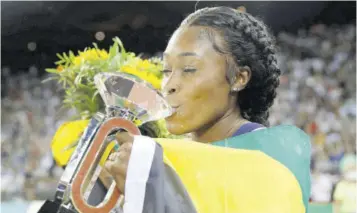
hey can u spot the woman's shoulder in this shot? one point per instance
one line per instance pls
(248, 127)
(286, 144)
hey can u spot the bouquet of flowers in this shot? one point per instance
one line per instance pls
(75, 72)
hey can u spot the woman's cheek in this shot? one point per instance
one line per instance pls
(163, 83)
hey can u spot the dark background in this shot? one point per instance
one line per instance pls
(143, 26)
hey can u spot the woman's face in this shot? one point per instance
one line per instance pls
(194, 83)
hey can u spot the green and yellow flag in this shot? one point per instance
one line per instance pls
(263, 171)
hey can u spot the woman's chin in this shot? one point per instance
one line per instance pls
(175, 129)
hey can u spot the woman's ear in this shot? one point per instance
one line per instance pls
(242, 78)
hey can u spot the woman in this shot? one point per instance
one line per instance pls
(345, 195)
(220, 78)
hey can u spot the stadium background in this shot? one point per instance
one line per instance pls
(317, 43)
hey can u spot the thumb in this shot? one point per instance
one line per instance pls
(124, 137)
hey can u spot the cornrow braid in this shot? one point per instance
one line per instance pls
(250, 43)
(150, 129)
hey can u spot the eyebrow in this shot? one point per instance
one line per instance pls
(184, 54)
(188, 54)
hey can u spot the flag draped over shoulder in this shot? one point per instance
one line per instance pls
(262, 171)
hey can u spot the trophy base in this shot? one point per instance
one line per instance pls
(49, 207)
(53, 207)
(64, 210)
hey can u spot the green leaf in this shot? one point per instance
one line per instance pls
(59, 62)
(95, 94)
(121, 45)
(71, 55)
(49, 79)
(50, 70)
(59, 56)
(66, 57)
(66, 64)
(86, 87)
(95, 45)
(113, 50)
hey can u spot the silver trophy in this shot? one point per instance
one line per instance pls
(127, 100)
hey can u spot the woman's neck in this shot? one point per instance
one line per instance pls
(221, 129)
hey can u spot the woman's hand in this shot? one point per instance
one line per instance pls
(117, 163)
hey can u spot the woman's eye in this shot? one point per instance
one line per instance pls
(189, 70)
(166, 71)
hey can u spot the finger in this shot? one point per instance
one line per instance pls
(108, 167)
(112, 156)
(120, 182)
(122, 156)
(123, 137)
(106, 178)
(121, 165)
(116, 168)
(118, 177)
(126, 147)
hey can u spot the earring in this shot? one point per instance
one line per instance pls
(236, 89)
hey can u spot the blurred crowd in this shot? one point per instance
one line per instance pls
(30, 114)
(317, 94)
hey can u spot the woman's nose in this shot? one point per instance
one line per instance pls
(171, 90)
(171, 85)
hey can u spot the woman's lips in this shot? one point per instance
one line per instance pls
(174, 110)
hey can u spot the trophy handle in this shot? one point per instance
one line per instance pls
(76, 193)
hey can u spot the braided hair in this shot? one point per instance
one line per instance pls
(249, 43)
(151, 129)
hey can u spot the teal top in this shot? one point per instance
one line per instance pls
(286, 144)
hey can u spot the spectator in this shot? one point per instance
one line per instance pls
(345, 194)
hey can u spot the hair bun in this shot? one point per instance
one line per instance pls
(242, 9)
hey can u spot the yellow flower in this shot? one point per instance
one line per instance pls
(143, 74)
(145, 65)
(90, 55)
(60, 68)
(103, 54)
(129, 69)
(65, 140)
(155, 81)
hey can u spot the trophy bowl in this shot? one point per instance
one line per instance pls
(130, 94)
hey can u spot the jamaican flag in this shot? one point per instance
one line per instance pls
(266, 171)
